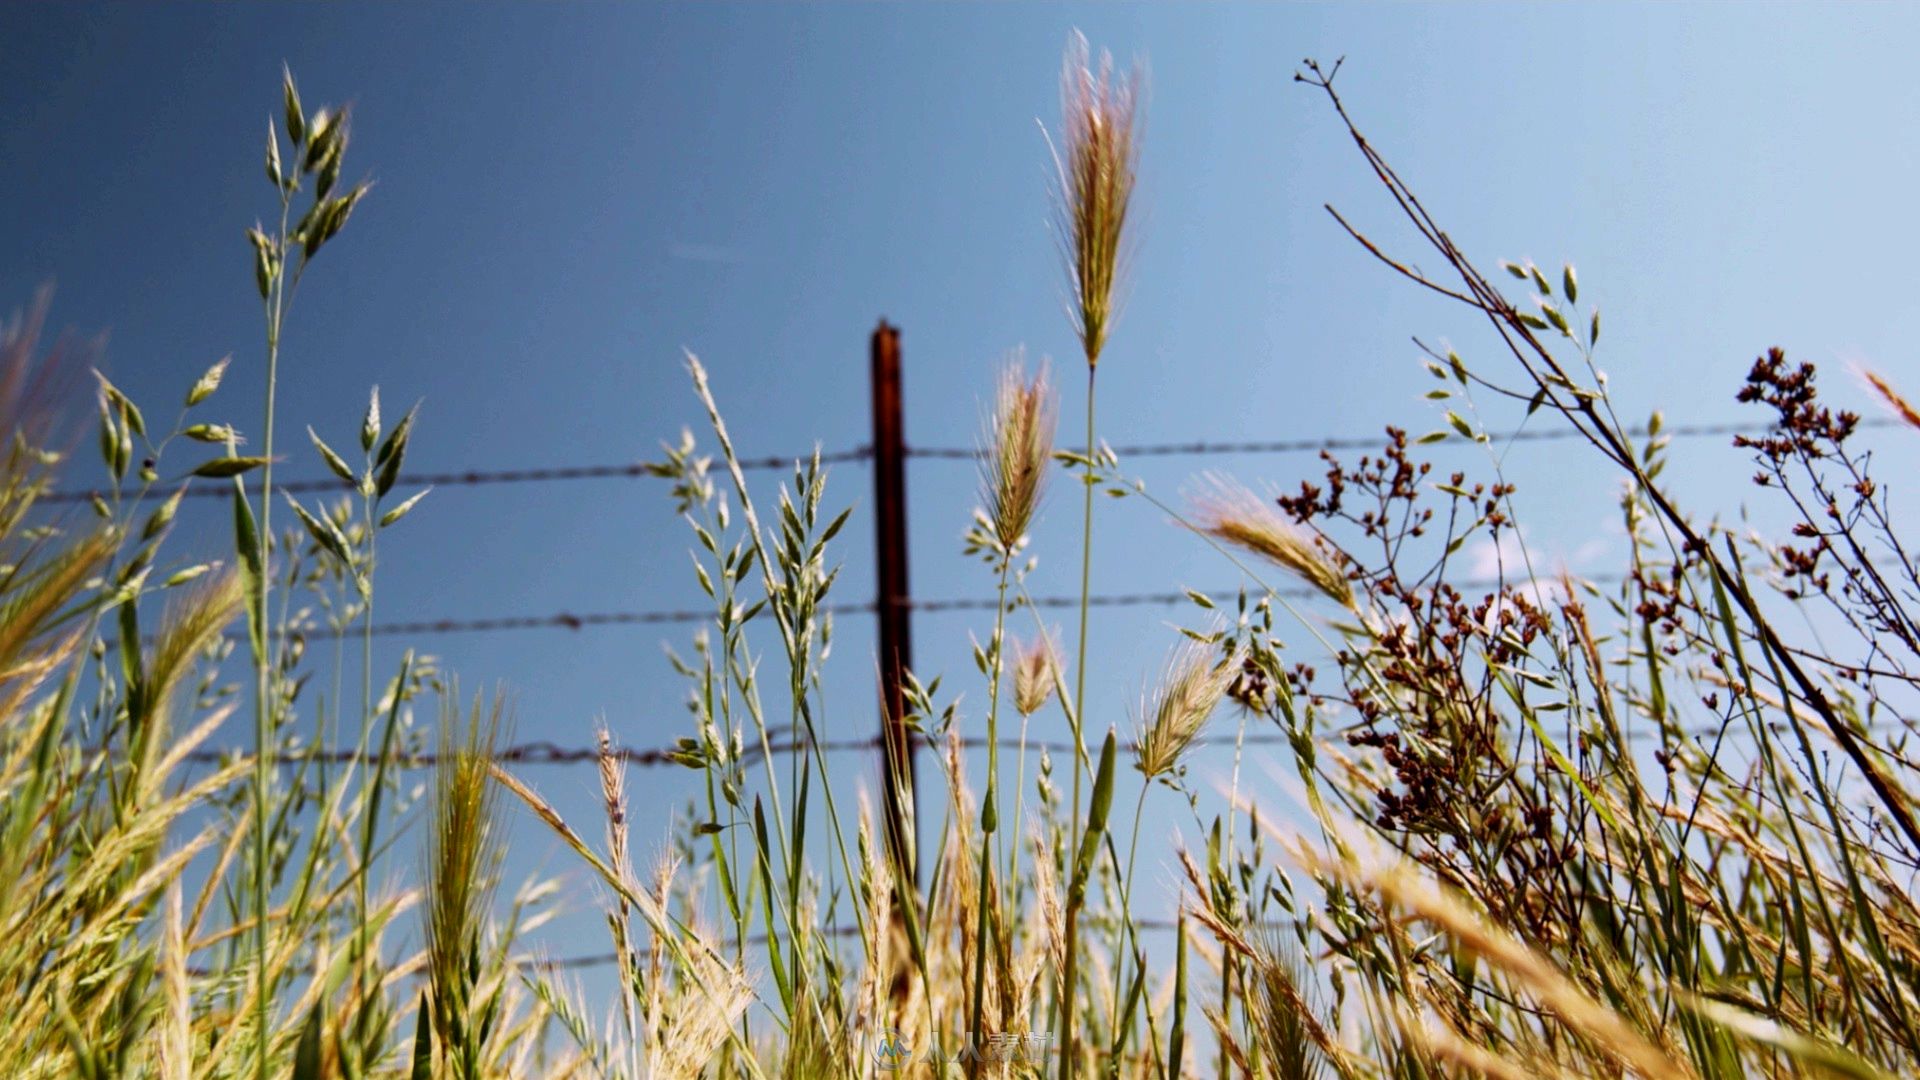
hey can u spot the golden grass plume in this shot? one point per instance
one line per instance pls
(1228, 511)
(1019, 446)
(1097, 161)
(1196, 678)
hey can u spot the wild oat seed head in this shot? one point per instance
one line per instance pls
(1019, 444)
(1196, 679)
(1036, 664)
(1226, 510)
(1096, 159)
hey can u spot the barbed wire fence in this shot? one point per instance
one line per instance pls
(639, 470)
(548, 753)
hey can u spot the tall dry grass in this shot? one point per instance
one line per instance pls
(1535, 828)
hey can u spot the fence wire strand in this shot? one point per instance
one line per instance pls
(858, 454)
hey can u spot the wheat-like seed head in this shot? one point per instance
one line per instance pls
(464, 848)
(1096, 159)
(32, 601)
(1036, 664)
(613, 791)
(876, 944)
(1019, 443)
(193, 622)
(1196, 679)
(1891, 397)
(1048, 909)
(708, 1005)
(1291, 1035)
(174, 1047)
(1226, 510)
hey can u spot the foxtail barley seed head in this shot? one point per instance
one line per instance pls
(1036, 664)
(192, 623)
(1891, 397)
(1096, 161)
(1019, 442)
(1196, 679)
(1226, 510)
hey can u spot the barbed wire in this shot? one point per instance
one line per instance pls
(756, 941)
(640, 470)
(567, 620)
(637, 470)
(760, 940)
(551, 753)
(546, 752)
(1373, 442)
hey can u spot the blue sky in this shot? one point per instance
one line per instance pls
(568, 196)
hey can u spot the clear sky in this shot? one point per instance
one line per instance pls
(569, 195)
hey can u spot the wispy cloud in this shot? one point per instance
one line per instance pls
(1486, 560)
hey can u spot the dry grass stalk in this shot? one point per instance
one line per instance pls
(1196, 679)
(1446, 1045)
(1891, 398)
(175, 1047)
(1036, 667)
(1018, 450)
(1048, 909)
(1228, 511)
(1782, 894)
(1096, 161)
(703, 1020)
(613, 793)
(464, 850)
(1398, 885)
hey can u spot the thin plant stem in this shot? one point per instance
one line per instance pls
(262, 662)
(1019, 804)
(989, 802)
(1126, 904)
(361, 943)
(1069, 969)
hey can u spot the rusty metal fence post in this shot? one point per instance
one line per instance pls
(894, 604)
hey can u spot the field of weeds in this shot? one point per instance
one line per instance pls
(1657, 827)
